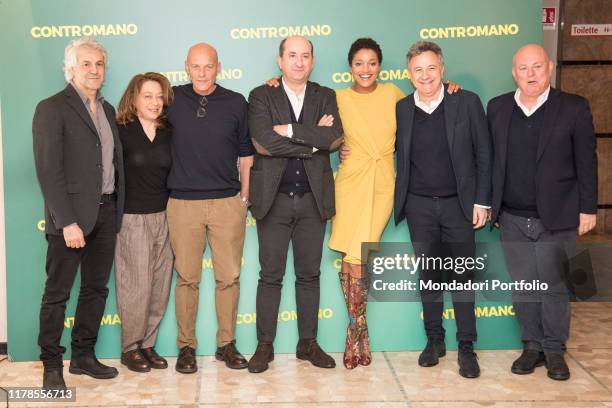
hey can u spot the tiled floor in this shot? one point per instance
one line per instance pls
(393, 380)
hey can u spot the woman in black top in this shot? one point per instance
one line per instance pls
(143, 257)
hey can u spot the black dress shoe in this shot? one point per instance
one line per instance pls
(309, 350)
(89, 365)
(557, 368)
(527, 362)
(263, 355)
(154, 359)
(467, 359)
(135, 361)
(186, 362)
(430, 356)
(53, 379)
(232, 357)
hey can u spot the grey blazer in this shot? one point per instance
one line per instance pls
(269, 106)
(67, 153)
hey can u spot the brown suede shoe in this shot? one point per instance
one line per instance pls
(308, 349)
(263, 355)
(135, 361)
(232, 357)
(154, 359)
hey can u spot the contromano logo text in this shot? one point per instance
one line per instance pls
(492, 30)
(81, 30)
(481, 311)
(250, 33)
(223, 75)
(107, 320)
(384, 75)
(284, 316)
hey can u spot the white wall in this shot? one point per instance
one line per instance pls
(3, 320)
(550, 37)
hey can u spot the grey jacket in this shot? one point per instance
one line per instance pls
(67, 155)
(269, 106)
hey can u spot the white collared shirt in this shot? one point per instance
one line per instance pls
(429, 108)
(297, 102)
(541, 100)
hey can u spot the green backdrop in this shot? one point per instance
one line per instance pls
(478, 38)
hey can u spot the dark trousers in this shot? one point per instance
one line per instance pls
(296, 219)
(438, 228)
(96, 260)
(534, 253)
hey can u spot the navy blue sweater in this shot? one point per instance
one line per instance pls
(205, 150)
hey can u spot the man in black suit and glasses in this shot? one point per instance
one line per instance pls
(79, 164)
(293, 128)
(544, 195)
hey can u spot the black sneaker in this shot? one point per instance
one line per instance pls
(53, 379)
(557, 368)
(467, 359)
(433, 351)
(527, 362)
(89, 365)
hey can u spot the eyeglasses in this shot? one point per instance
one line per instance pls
(201, 112)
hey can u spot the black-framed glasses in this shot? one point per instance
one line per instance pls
(201, 112)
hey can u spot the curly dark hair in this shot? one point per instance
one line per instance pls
(364, 43)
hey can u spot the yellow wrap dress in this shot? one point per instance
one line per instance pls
(366, 179)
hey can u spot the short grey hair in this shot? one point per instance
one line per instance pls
(420, 47)
(70, 54)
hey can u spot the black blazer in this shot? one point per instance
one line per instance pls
(67, 151)
(269, 106)
(470, 148)
(566, 172)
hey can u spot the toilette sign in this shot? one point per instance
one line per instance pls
(591, 30)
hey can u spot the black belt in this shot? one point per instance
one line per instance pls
(295, 193)
(435, 197)
(108, 198)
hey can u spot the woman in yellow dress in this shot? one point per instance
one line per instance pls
(364, 184)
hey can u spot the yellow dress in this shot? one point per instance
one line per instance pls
(366, 179)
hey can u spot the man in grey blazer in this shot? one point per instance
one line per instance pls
(79, 164)
(293, 128)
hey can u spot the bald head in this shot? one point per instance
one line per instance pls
(294, 39)
(530, 50)
(202, 65)
(295, 60)
(532, 70)
(201, 49)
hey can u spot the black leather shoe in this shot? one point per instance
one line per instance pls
(527, 362)
(232, 357)
(53, 379)
(186, 362)
(467, 359)
(154, 359)
(89, 365)
(309, 350)
(557, 368)
(263, 355)
(135, 361)
(432, 352)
